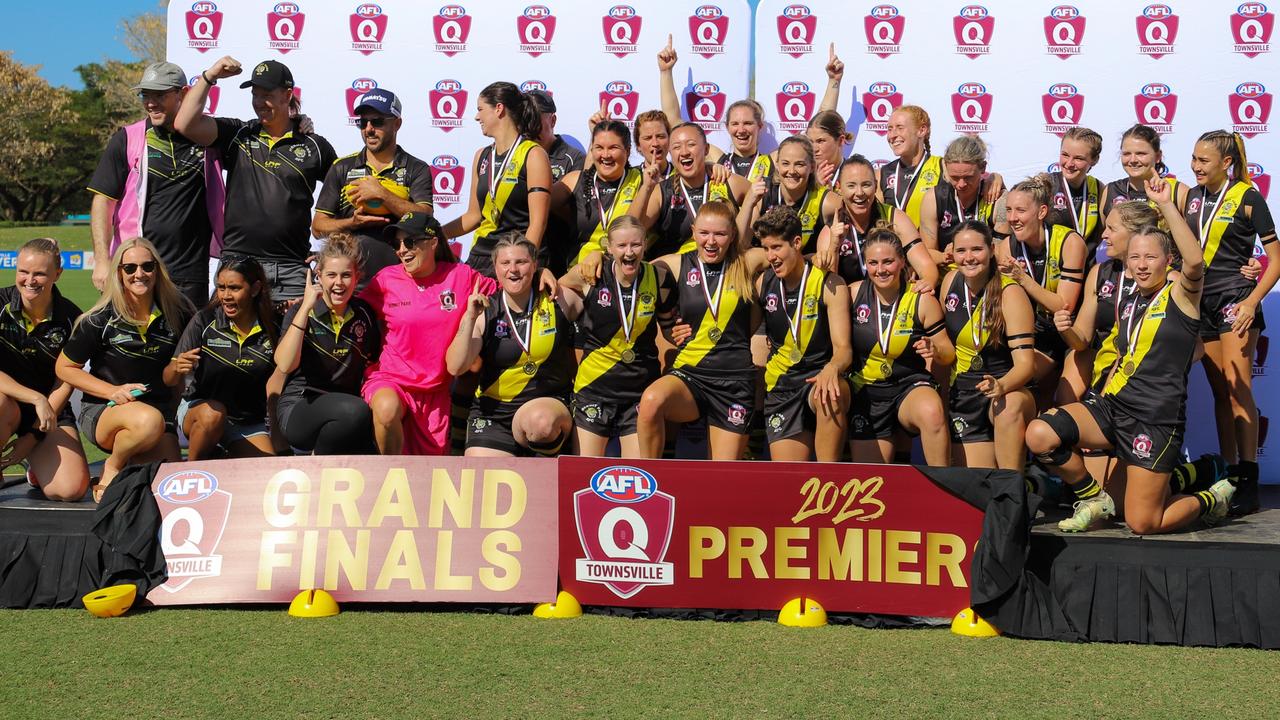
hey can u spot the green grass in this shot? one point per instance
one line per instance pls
(380, 664)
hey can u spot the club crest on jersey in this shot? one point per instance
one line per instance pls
(1064, 31)
(1142, 445)
(284, 27)
(795, 102)
(204, 25)
(1063, 106)
(771, 302)
(1251, 27)
(973, 26)
(452, 26)
(883, 26)
(1157, 30)
(796, 27)
(624, 528)
(1107, 289)
(500, 329)
(1250, 107)
(621, 27)
(737, 414)
(879, 102)
(447, 175)
(971, 107)
(694, 278)
(368, 26)
(862, 314)
(536, 26)
(604, 299)
(953, 302)
(448, 301)
(708, 29)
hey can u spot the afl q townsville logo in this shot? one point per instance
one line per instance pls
(624, 527)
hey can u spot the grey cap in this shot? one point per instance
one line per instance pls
(162, 76)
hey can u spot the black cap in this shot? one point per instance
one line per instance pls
(415, 225)
(543, 100)
(269, 75)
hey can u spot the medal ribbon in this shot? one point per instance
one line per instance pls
(794, 323)
(523, 342)
(1135, 332)
(628, 318)
(713, 302)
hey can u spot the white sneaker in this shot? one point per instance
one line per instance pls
(1222, 492)
(1087, 512)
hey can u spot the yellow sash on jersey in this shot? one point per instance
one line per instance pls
(716, 191)
(1105, 357)
(542, 340)
(762, 167)
(1089, 206)
(601, 360)
(622, 200)
(701, 343)
(1130, 362)
(1223, 216)
(1054, 243)
(780, 362)
(930, 174)
(879, 365)
(810, 214)
(966, 352)
(497, 200)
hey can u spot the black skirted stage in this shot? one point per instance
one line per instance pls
(1206, 586)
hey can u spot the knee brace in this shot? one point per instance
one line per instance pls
(1064, 426)
(550, 447)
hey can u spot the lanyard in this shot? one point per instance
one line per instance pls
(1134, 332)
(524, 341)
(975, 329)
(1026, 260)
(1121, 292)
(684, 189)
(713, 302)
(1071, 203)
(911, 180)
(857, 244)
(606, 218)
(960, 210)
(628, 315)
(795, 322)
(885, 332)
(496, 178)
(1204, 227)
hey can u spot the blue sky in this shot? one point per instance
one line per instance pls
(61, 35)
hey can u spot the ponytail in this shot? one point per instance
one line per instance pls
(521, 108)
(993, 306)
(1230, 145)
(1039, 187)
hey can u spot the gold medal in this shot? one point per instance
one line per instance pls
(884, 368)
(1129, 368)
(530, 368)
(714, 333)
(796, 355)
(977, 362)
(628, 355)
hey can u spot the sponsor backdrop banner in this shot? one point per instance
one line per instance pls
(364, 528)
(856, 538)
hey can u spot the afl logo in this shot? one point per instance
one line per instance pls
(621, 27)
(771, 302)
(705, 105)
(624, 527)
(1251, 27)
(796, 27)
(446, 180)
(883, 26)
(795, 104)
(879, 102)
(204, 25)
(368, 26)
(1155, 105)
(973, 26)
(1250, 107)
(1142, 446)
(623, 484)
(1157, 30)
(189, 486)
(1064, 31)
(536, 26)
(1062, 105)
(1260, 179)
(447, 102)
(452, 27)
(194, 514)
(284, 26)
(708, 28)
(531, 85)
(357, 90)
(620, 100)
(971, 106)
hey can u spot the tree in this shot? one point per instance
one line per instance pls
(32, 113)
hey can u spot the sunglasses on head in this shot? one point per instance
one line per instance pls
(131, 268)
(365, 122)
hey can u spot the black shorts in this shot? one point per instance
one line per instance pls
(726, 402)
(970, 413)
(787, 413)
(1148, 445)
(1049, 341)
(489, 426)
(873, 411)
(91, 413)
(27, 419)
(604, 418)
(1218, 312)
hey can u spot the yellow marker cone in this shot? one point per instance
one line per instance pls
(565, 606)
(968, 624)
(313, 604)
(802, 612)
(112, 601)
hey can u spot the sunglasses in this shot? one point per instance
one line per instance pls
(410, 242)
(365, 122)
(154, 95)
(131, 268)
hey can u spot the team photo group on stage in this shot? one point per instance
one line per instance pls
(804, 303)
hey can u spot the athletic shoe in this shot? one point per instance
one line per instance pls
(1087, 512)
(1222, 491)
(1246, 501)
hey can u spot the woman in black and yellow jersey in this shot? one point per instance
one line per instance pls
(126, 339)
(903, 181)
(1077, 195)
(511, 185)
(963, 195)
(601, 192)
(792, 185)
(992, 326)
(1142, 160)
(668, 204)
(329, 340)
(896, 332)
(523, 339)
(229, 347)
(712, 375)
(840, 243)
(1141, 411)
(1227, 214)
(806, 319)
(1047, 260)
(35, 408)
(622, 312)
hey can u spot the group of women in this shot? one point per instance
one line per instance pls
(838, 309)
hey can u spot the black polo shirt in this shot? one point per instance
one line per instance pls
(28, 353)
(232, 370)
(407, 174)
(561, 236)
(176, 220)
(270, 188)
(335, 352)
(120, 352)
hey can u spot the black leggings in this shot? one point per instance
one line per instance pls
(331, 424)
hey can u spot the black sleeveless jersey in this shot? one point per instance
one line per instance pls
(796, 323)
(514, 214)
(849, 263)
(1226, 233)
(1112, 289)
(1156, 343)
(509, 373)
(976, 353)
(680, 205)
(883, 339)
(613, 368)
(721, 342)
(950, 214)
(749, 167)
(1077, 208)
(1120, 191)
(808, 209)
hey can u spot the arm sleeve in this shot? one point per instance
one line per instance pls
(85, 340)
(113, 168)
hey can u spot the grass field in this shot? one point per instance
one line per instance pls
(383, 664)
